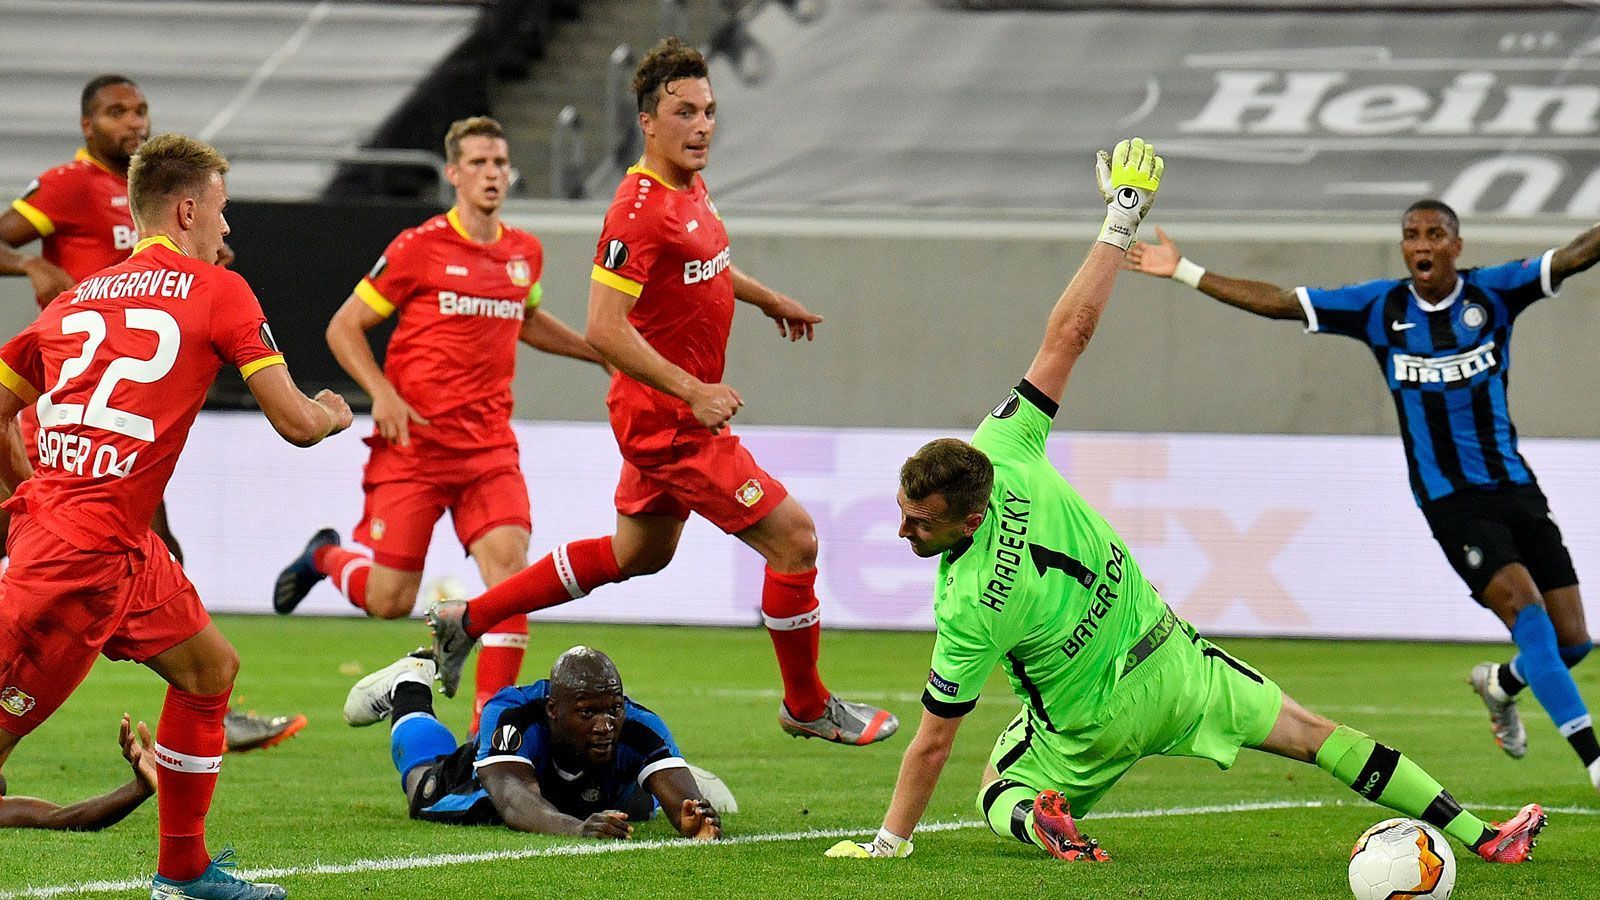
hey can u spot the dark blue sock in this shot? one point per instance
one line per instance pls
(1575, 654)
(418, 739)
(1544, 671)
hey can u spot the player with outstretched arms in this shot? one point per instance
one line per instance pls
(1443, 339)
(79, 214)
(117, 369)
(466, 290)
(1033, 579)
(661, 303)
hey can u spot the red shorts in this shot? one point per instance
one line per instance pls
(400, 512)
(61, 606)
(711, 474)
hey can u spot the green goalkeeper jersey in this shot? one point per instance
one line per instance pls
(1044, 587)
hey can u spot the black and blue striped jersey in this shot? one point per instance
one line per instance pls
(514, 728)
(1446, 364)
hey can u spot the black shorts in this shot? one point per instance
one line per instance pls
(1484, 531)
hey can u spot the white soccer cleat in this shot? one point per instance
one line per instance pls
(372, 697)
(714, 790)
(1504, 720)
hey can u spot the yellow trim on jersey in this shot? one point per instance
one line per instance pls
(161, 239)
(612, 280)
(374, 298)
(83, 155)
(639, 169)
(454, 218)
(40, 222)
(250, 368)
(17, 384)
(536, 295)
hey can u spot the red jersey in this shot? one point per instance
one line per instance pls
(461, 306)
(667, 247)
(81, 213)
(116, 369)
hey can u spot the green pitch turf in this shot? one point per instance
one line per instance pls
(326, 806)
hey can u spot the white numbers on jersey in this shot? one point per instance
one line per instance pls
(98, 412)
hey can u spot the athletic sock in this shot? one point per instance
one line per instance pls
(500, 661)
(418, 739)
(189, 745)
(1510, 677)
(409, 697)
(1386, 777)
(790, 609)
(1542, 668)
(1008, 807)
(570, 571)
(347, 569)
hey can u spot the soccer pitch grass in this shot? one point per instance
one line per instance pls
(323, 813)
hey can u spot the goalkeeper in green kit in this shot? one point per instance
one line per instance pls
(1032, 579)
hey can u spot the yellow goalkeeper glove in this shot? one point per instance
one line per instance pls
(1128, 178)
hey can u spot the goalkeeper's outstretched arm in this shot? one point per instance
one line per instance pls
(1128, 180)
(1163, 260)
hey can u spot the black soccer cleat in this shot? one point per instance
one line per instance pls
(299, 577)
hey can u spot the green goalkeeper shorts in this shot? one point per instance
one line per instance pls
(1188, 698)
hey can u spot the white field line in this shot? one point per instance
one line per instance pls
(439, 860)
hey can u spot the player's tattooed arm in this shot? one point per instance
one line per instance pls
(1162, 259)
(48, 278)
(516, 796)
(620, 343)
(1580, 254)
(94, 813)
(679, 794)
(793, 319)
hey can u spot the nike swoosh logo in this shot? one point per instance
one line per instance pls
(1402, 326)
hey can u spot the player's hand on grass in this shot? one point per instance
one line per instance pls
(47, 278)
(394, 418)
(335, 403)
(140, 753)
(1128, 178)
(886, 845)
(610, 824)
(714, 404)
(794, 320)
(1159, 259)
(700, 820)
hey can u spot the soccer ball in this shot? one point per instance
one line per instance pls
(1402, 858)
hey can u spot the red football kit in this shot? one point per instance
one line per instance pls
(116, 371)
(667, 247)
(451, 357)
(81, 213)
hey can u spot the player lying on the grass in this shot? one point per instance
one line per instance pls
(568, 755)
(1106, 673)
(1443, 339)
(94, 813)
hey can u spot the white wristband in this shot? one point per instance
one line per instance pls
(892, 845)
(1188, 273)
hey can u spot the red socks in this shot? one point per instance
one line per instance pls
(347, 569)
(189, 744)
(789, 607)
(571, 571)
(500, 661)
